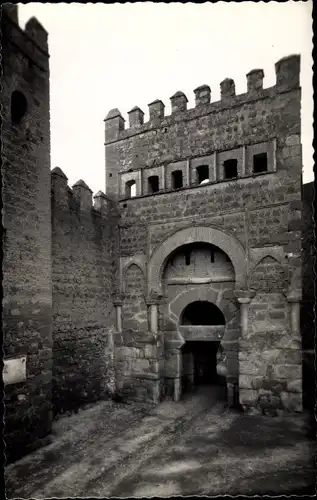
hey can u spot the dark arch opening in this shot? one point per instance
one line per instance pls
(202, 313)
(18, 107)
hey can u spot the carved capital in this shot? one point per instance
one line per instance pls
(118, 298)
(244, 296)
(154, 297)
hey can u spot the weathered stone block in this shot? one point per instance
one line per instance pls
(295, 386)
(292, 402)
(288, 371)
(293, 140)
(142, 365)
(289, 357)
(248, 397)
(150, 351)
(245, 381)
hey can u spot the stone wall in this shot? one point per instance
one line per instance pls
(261, 212)
(83, 276)
(308, 327)
(27, 292)
(136, 349)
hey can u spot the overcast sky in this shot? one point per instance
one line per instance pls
(124, 55)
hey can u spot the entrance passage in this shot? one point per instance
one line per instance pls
(200, 365)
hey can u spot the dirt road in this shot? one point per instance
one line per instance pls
(193, 447)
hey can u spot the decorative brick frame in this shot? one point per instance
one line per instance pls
(197, 234)
(137, 260)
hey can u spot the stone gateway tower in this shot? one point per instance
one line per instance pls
(210, 242)
(186, 271)
(26, 219)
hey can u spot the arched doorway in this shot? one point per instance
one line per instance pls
(199, 357)
(195, 263)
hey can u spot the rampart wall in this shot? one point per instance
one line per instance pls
(83, 273)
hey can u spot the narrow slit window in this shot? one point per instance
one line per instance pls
(260, 163)
(230, 169)
(202, 174)
(130, 189)
(177, 179)
(212, 256)
(153, 184)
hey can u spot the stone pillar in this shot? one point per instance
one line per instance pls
(244, 298)
(153, 303)
(294, 400)
(177, 380)
(294, 300)
(117, 302)
(154, 318)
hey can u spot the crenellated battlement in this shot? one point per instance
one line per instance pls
(32, 41)
(79, 195)
(287, 72)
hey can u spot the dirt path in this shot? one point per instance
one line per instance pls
(191, 447)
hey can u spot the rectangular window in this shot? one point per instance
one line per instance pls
(202, 174)
(230, 169)
(177, 179)
(260, 163)
(153, 184)
(130, 189)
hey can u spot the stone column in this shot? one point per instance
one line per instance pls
(177, 380)
(294, 400)
(153, 303)
(117, 302)
(154, 318)
(294, 299)
(244, 298)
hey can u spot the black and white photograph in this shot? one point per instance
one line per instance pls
(158, 249)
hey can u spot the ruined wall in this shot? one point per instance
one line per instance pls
(27, 302)
(83, 246)
(260, 209)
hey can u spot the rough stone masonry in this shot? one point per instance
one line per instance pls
(198, 239)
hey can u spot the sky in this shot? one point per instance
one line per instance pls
(105, 56)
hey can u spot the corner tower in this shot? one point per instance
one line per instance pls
(27, 292)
